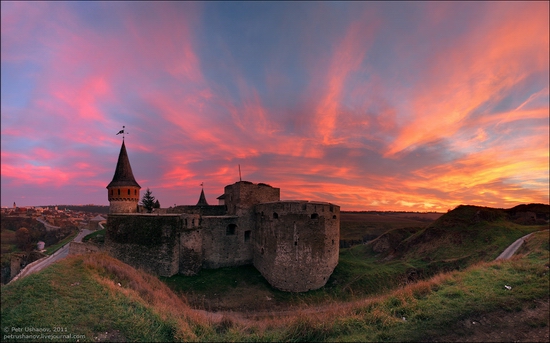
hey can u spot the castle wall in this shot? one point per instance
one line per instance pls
(191, 254)
(226, 241)
(147, 241)
(211, 210)
(241, 197)
(123, 206)
(81, 248)
(296, 244)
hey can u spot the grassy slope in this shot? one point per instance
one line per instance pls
(143, 309)
(82, 294)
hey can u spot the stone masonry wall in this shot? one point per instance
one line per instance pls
(80, 248)
(123, 206)
(212, 210)
(190, 255)
(242, 196)
(225, 242)
(146, 241)
(296, 244)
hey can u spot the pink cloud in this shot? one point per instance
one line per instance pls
(480, 68)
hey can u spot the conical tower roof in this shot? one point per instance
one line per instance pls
(123, 173)
(202, 199)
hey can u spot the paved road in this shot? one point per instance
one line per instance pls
(46, 261)
(508, 252)
(47, 225)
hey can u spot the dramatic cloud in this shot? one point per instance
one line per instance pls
(397, 106)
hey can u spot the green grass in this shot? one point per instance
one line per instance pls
(84, 309)
(96, 237)
(81, 294)
(52, 249)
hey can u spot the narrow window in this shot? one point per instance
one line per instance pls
(119, 191)
(331, 208)
(275, 215)
(314, 216)
(247, 235)
(128, 191)
(230, 229)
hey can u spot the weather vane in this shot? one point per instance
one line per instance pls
(123, 131)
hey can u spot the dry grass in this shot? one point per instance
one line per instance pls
(148, 290)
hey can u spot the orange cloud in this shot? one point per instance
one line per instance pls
(479, 69)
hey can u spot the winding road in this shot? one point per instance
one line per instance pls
(46, 261)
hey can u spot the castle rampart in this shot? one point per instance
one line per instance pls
(147, 241)
(294, 244)
(297, 243)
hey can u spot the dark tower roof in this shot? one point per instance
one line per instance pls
(123, 173)
(202, 199)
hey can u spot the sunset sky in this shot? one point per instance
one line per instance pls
(416, 106)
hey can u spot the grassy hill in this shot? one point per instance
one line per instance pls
(417, 284)
(97, 298)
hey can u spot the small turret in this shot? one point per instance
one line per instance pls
(202, 199)
(123, 190)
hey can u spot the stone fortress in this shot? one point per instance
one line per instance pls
(293, 244)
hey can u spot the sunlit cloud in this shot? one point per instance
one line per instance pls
(360, 104)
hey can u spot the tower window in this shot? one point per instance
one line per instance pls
(119, 191)
(314, 216)
(128, 191)
(247, 235)
(230, 229)
(275, 215)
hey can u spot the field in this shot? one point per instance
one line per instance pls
(365, 226)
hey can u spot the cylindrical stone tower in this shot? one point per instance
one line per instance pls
(296, 243)
(123, 191)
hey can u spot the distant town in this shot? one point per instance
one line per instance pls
(59, 215)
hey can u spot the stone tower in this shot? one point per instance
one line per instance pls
(123, 191)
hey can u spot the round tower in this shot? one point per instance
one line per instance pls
(123, 190)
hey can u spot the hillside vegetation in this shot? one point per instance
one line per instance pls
(101, 299)
(402, 290)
